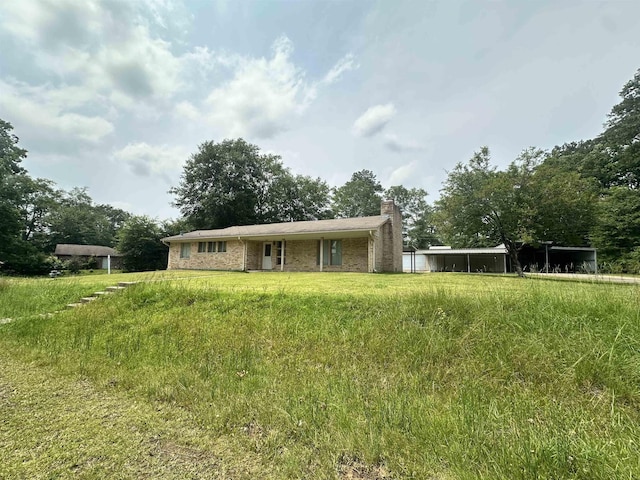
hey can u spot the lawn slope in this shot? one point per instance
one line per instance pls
(334, 376)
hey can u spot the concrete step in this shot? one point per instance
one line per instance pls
(74, 305)
(99, 294)
(87, 299)
(114, 289)
(126, 284)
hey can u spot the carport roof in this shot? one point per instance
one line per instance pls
(463, 251)
(85, 250)
(339, 227)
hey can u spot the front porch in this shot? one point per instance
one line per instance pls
(305, 255)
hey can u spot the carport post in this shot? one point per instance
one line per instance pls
(546, 256)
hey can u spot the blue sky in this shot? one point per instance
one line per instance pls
(115, 96)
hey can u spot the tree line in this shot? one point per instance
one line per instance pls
(583, 193)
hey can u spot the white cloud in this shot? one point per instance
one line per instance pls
(50, 117)
(103, 47)
(403, 173)
(395, 144)
(373, 120)
(186, 110)
(146, 160)
(264, 97)
(343, 65)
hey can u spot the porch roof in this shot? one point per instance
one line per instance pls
(335, 228)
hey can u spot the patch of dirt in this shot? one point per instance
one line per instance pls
(253, 430)
(354, 469)
(6, 391)
(177, 453)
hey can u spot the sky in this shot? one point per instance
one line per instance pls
(115, 96)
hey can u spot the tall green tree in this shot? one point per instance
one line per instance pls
(417, 228)
(77, 220)
(11, 155)
(359, 197)
(298, 198)
(622, 136)
(140, 245)
(232, 183)
(482, 206)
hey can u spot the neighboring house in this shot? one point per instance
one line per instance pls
(496, 259)
(364, 244)
(86, 253)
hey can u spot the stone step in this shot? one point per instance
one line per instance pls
(126, 284)
(102, 293)
(5, 320)
(87, 299)
(114, 289)
(74, 305)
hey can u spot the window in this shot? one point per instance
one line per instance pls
(185, 250)
(211, 247)
(202, 247)
(222, 247)
(331, 252)
(279, 246)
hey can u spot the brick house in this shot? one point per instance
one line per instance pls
(363, 244)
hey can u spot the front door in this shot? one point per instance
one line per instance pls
(266, 256)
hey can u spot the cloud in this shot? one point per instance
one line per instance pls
(264, 97)
(373, 120)
(105, 47)
(49, 117)
(146, 160)
(401, 174)
(395, 144)
(343, 65)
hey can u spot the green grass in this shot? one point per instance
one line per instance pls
(326, 375)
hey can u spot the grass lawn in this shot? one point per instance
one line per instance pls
(347, 376)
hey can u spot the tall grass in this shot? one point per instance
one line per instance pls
(430, 377)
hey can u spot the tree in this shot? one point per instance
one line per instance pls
(140, 245)
(10, 171)
(77, 220)
(618, 229)
(481, 206)
(622, 136)
(416, 215)
(231, 183)
(38, 199)
(298, 198)
(359, 197)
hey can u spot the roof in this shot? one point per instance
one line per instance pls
(85, 250)
(500, 249)
(313, 228)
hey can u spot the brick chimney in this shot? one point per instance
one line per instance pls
(392, 237)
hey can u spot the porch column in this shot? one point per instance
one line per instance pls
(244, 254)
(321, 252)
(504, 257)
(282, 257)
(468, 263)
